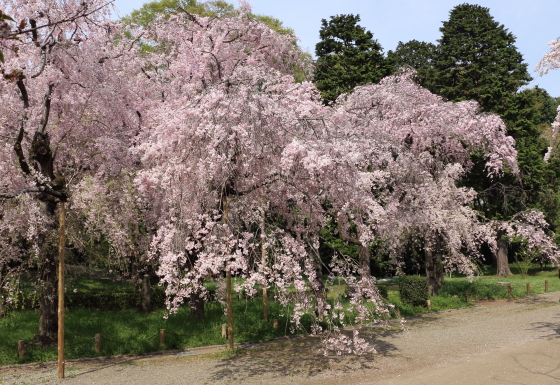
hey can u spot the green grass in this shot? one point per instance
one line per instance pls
(130, 332)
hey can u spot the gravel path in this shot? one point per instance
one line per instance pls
(497, 342)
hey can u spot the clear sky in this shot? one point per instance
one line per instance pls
(534, 23)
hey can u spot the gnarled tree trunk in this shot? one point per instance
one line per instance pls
(502, 266)
(48, 279)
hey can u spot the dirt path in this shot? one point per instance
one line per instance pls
(515, 342)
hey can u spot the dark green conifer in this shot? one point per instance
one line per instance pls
(347, 56)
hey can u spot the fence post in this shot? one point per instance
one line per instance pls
(98, 343)
(429, 304)
(275, 323)
(528, 289)
(509, 290)
(161, 337)
(21, 348)
(546, 286)
(467, 296)
(224, 330)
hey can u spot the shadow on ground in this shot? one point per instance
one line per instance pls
(301, 356)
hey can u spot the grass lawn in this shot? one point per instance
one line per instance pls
(130, 332)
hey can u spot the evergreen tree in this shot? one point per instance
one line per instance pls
(418, 55)
(347, 56)
(477, 59)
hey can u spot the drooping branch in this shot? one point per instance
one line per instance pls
(39, 189)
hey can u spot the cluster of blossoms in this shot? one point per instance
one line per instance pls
(190, 147)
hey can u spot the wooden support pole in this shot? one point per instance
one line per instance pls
(228, 278)
(509, 290)
(98, 343)
(275, 323)
(21, 348)
(429, 304)
(528, 289)
(224, 330)
(229, 309)
(467, 296)
(62, 234)
(263, 258)
(546, 286)
(161, 337)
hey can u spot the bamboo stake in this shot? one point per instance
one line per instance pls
(61, 291)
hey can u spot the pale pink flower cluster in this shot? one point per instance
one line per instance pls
(193, 157)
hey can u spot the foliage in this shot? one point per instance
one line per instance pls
(418, 55)
(477, 59)
(347, 56)
(413, 289)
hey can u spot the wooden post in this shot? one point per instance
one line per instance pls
(98, 343)
(161, 337)
(62, 234)
(275, 323)
(528, 289)
(467, 296)
(263, 259)
(429, 304)
(546, 286)
(229, 309)
(21, 348)
(224, 330)
(228, 278)
(509, 290)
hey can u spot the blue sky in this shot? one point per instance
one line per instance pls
(534, 23)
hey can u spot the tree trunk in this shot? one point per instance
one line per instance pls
(2, 303)
(434, 271)
(146, 292)
(502, 266)
(47, 277)
(197, 306)
(364, 261)
(320, 291)
(48, 312)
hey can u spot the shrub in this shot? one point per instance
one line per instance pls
(413, 290)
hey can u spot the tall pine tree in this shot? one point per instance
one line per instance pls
(477, 59)
(347, 56)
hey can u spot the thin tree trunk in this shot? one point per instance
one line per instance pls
(146, 291)
(434, 271)
(502, 266)
(197, 306)
(364, 261)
